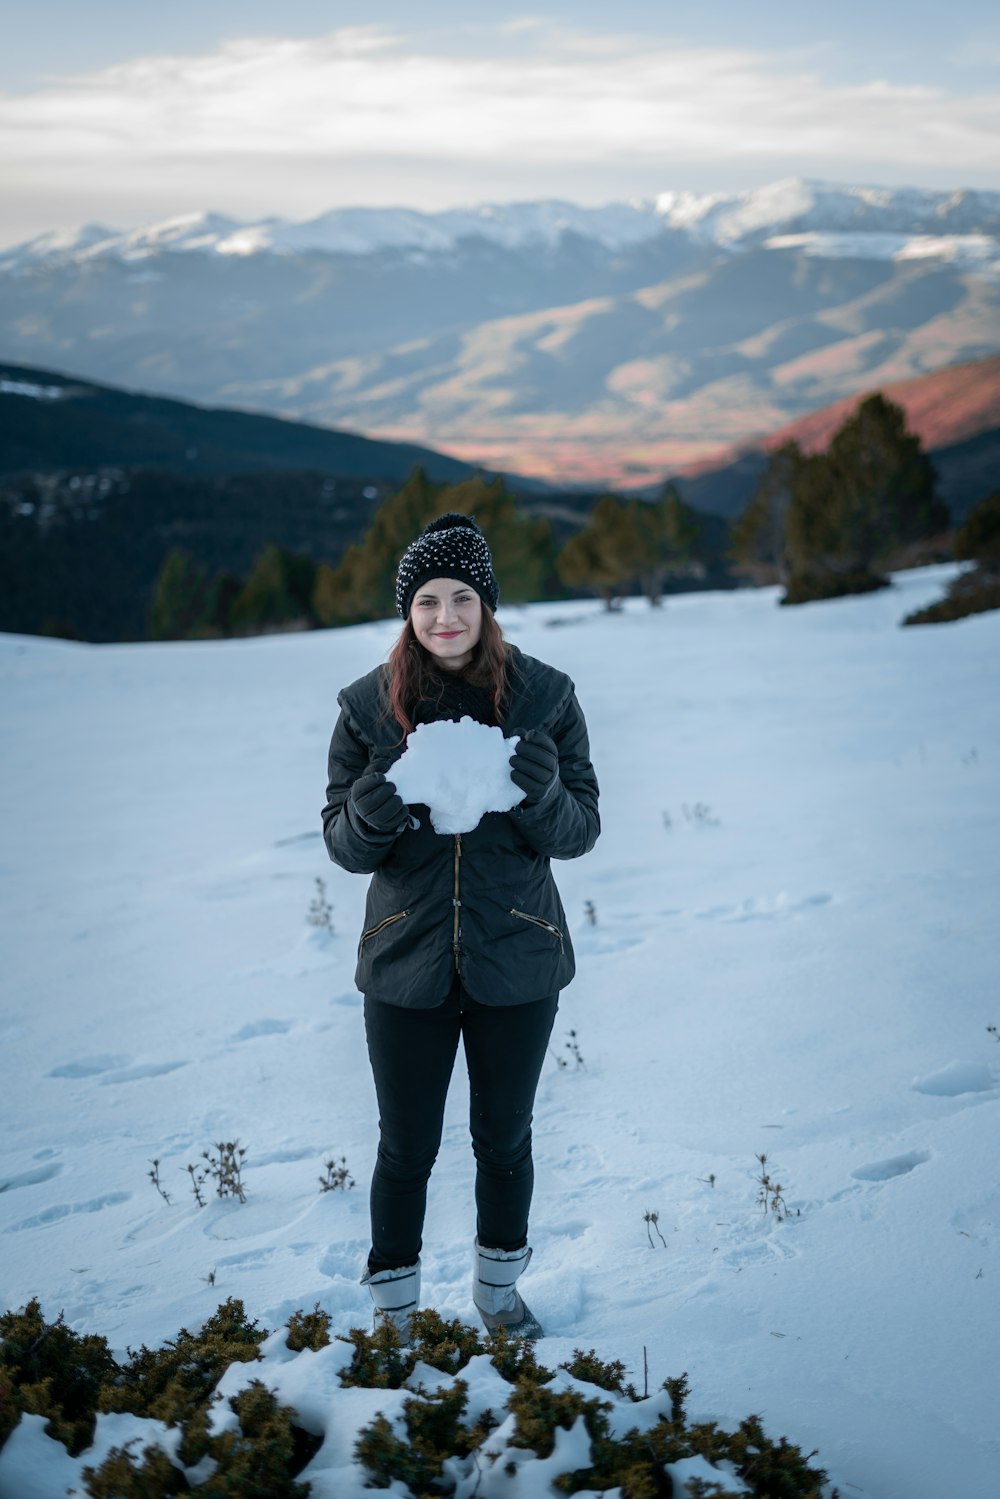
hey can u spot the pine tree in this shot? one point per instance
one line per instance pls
(977, 589)
(180, 598)
(856, 506)
(522, 548)
(886, 483)
(665, 537)
(362, 586)
(605, 556)
(978, 538)
(759, 541)
(277, 593)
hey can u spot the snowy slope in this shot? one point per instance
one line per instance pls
(803, 963)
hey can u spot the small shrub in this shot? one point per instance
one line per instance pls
(539, 1411)
(770, 1193)
(48, 1370)
(574, 1062)
(699, 815)
(434, 1433)
(336, 1178)
(975, 591)
(652, 1220)
(607, 1376)
(378, 1361)
(260, 1461)
(810, 585)
(122, 1476)
(154, 1176)
(514, 1359)
(320, 911)
(308, 1330)
(171, 1382)
(225, 1167)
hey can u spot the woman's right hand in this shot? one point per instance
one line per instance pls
(376, 804)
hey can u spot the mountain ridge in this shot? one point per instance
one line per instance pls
(586, 347)
(727, 220)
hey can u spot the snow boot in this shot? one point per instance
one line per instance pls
(396, 1294)
(495, 1294)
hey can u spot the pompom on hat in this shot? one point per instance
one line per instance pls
(452, 546)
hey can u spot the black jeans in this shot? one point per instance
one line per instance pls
(412, 1055)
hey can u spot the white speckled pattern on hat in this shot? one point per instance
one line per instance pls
(452, 546)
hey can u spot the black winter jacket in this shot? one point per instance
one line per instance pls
(483, 903)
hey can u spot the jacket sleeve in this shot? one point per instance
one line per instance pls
(349, 842)
(565, 824)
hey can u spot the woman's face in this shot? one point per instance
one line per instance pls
(447, 619)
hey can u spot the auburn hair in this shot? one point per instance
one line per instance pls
(410, 675)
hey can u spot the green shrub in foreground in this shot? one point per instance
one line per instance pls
(49, 1370)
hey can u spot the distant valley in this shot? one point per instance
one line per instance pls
(585, 347)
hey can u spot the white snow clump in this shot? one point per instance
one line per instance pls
(459, 770)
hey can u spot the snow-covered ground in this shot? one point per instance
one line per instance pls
(795, 952)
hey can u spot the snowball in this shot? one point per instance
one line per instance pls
(458, 770)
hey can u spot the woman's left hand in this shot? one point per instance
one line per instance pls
(534, 765)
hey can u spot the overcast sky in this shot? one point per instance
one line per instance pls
(122, 113)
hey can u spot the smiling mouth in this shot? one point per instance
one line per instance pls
(447, 634)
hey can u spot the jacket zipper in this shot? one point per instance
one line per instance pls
(456, 928)
(540, 921)
(373, 931)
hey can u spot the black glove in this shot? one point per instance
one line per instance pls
(377, 805)
(534, 765)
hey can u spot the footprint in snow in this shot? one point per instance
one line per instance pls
(256, 1028)
(764, 907)
(344, 1259)
(113, 1069)
(89, 1066)
(283, 1157)
(981, 1220)
(594, 942)
(58, 1211)
(957, 1078)
(246, 1258)
(30, 1178)
(142, 1071)
(887, 1170)
(762, 1253)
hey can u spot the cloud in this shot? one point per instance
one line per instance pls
(366, 94)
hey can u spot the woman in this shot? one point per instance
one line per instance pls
(464, 935)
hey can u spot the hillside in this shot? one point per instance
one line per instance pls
(944, 408)
(955, 412)
(52, 421)
(585, 347)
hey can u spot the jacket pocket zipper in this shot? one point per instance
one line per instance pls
(540, 921)
(373, 931)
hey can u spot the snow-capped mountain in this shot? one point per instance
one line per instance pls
(841, 221)
(582, 345)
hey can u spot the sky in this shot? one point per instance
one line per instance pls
(122, 114)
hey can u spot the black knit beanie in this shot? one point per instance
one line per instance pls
(452, 546)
